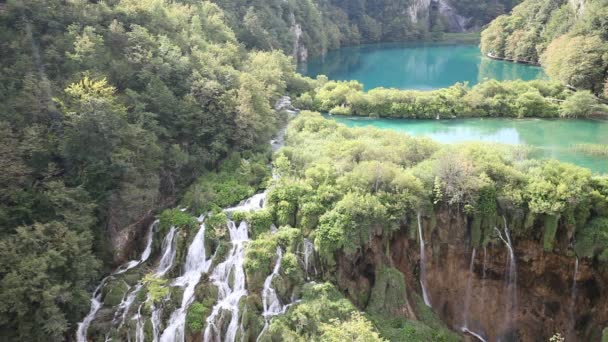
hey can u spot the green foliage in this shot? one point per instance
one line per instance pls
(328, 24)
(261, 254)
(195, 318)
(389, 295)
(176, 218)
(490, 98)
(553, 187)
(320, 304)
(592, 239)
(550, 229)
(580, 105)
(238, 178)
(157, 288)
(570, 42)
(45, 270)
(357, 329)
(109, 111)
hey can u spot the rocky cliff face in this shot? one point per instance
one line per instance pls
(470, 288)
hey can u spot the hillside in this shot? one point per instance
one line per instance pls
(568, 37)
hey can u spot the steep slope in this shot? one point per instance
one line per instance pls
(311, 27)
(568, 37)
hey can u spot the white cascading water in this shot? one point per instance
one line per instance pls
(196, 265)
(425, 294)
(573, 301)
(229, 276)
(309, 248)
(81, 334)
(511, 300)
(270, 300)
(139, 328)
(168, 254)
(467, 300)
(164, 265)
(229, 294)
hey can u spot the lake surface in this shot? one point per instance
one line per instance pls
(552, 138)
(415, 66)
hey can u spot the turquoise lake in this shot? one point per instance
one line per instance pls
(552, 138)
(415, 66)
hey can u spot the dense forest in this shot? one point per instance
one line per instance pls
(127, 127)
(108, 111)
(569, 38)
(311, 27)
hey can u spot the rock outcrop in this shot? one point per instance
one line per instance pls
(547, 297)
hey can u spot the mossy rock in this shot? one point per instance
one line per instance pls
(251, 318)
(605, 335)
(550, 229)
(114, 292)
(195, 317)
(388, 296)
(476, 231)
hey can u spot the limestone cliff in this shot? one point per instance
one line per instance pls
(470, 288)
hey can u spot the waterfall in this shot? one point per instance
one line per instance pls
(309, 248)
(229, 294)
(168, 254)
(164, 265)
(229, 276)
(270, 300)
(81, 334)
(425, 294)
(467, 299)
(196, 265)
(511, 299)
(139, 332)
(573, 301)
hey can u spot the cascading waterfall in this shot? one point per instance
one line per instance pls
(168, 254)
(81, 334)
(229, 276)
(270, 300)
(309, 248)
(425, 294)
(229, 294)
(511, 293)
(573, 300)
(467, 300)
(196, 265)
(164, 265)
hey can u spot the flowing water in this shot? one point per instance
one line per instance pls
(196, 265)
(415, 66)
(467, 300)
(229, 277)
(467, 297)
(548, 139)
(425, 294)
(511, 293)
(81, 334)
(270, 300)
(309, 248)
(573, 301)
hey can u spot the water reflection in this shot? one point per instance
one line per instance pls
(551, 138)
(415, 66)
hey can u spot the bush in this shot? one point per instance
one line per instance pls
(176, 218)
(195, 318)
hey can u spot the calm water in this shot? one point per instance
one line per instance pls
(553, 138)
(415, 66)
